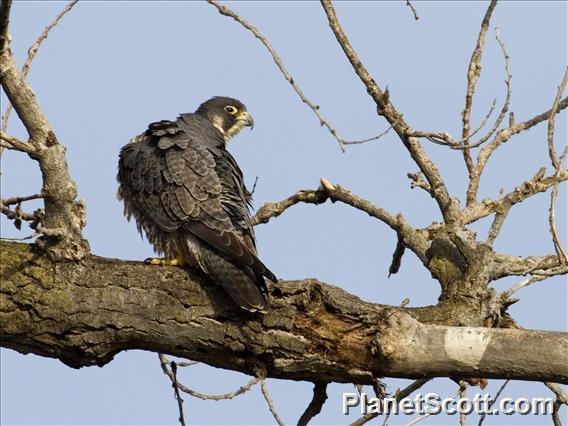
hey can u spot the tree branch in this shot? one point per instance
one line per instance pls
(4, 25)
(537, 184)
(473, 73)
(84, 313)
(226, 11)
(315, 405)
(270, 403)
(62, 212)
(507, 266)
(414, 239)
(501, 137)
(448, 207)
(32, 51)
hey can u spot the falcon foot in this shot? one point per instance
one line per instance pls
(164, 262)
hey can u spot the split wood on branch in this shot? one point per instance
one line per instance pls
(226, 11)
(84, 313)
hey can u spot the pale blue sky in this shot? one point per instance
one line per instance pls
(110, 68)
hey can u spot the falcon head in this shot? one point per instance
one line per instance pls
(228, 115)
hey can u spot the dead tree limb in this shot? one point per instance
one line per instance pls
(84, 313)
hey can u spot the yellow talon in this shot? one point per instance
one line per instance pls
(178, 261)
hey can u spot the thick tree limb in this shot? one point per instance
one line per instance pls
(84, 313)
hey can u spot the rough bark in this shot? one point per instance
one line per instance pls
(85, 312)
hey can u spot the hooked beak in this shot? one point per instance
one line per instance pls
(248, 120)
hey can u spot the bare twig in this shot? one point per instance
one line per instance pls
(398, 395)
(416, 17)
(560, 394)
(20, 199)
(537, 184)
(64, 216)
(556, 413)
(417, 180)
(270, 403)
(448, 206)
(164, 362)
(463, 394)
(178, 398)
(271, 210)
(551, 219)
(505, 107)
(10, 142)
(316, 404)
(326, 191)
(226, 11)
(507, 266)
(443, 138)
(493, 400)
(557, 164)
(19, 214)
(32, 51)
(551, 120)
(500, 138)
(29, 237)
(526, 282)
(473, 73)
(415, 241)
(561, 398)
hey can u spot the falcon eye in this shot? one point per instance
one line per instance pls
(231, 109)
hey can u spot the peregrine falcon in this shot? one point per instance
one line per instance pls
(186, 192)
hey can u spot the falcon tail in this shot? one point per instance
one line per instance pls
(240, 283)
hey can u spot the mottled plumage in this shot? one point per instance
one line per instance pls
(187, 194)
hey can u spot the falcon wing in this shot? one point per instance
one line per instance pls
(176, 175)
